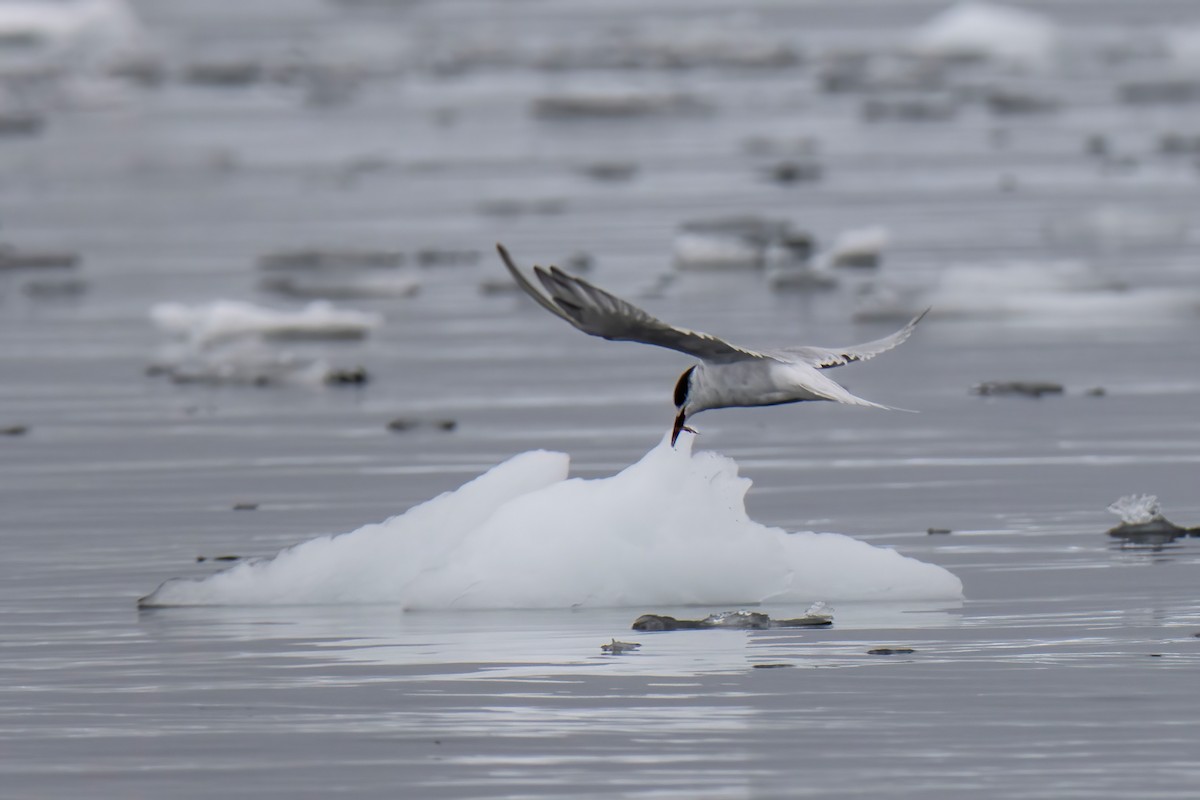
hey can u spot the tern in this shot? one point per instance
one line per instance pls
(727, 376)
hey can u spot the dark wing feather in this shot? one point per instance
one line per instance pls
(598, 313)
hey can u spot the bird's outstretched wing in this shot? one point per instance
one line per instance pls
(598, 313)
(826, 357)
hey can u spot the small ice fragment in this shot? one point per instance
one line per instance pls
(1137, 509)
(820, 610)
(737, 619)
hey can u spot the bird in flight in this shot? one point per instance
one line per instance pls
(727, 376)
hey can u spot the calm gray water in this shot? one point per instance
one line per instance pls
(1069, 670)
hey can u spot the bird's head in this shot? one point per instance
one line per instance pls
(683, 390)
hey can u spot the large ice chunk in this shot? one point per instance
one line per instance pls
(669, 530)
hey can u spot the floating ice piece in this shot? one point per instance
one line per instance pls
(1183, 45)
(1059, 292)
(705, 251)
(859, 247)
(987, 31)
(46, 22)
(819, 610)
(242, 363)
(1119, 225)
(669, 530)
(790, 265)
(736, 619)
(228, 319)
(80, 31)
(343, 287)
(726, 242)
(1137, 509)
(1142, 522)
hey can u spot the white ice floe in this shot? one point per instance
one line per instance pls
(1137, 509)
(735, 242)
(78, 31)
(787, 272)
(1183, 45)
(240, 363)
(1066, 292)
(228, 319)
(669, 530)
(988, 31)
(708, 251)
(792, 267)
(859, 247)
(1120, 226)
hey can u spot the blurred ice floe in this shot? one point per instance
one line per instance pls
(1183, 45)
(229, 319)
(1117, 225)
(338, 273)
(350, 287)
(1068, 292)
(68, 32)
(669, 530)
(978, 30)
(242, 363)
(226, 342)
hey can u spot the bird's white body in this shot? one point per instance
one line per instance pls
(761, 382)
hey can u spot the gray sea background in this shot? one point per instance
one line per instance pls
(240, 130)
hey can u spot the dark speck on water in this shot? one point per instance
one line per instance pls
(404, 424)
(1035, 389)
(348, 377)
